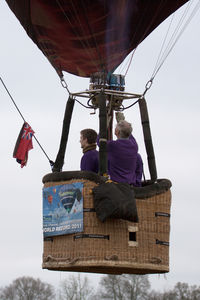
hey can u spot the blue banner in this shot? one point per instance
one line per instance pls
(63, 209)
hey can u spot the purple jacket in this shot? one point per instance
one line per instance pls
(122, 157)
(90, 161)
(139, 170)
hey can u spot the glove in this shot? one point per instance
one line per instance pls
(119, 116)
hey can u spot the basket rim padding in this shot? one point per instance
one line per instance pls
(147, 190)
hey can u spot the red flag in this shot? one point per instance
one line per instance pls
(23, 144)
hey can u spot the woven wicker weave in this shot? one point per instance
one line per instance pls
(115, 246)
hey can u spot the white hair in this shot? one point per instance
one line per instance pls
(125, 129)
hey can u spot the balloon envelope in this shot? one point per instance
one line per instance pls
(86, 36)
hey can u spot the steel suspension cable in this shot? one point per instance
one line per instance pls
(141, 39)
(163, 44)
(175, 36)
(163, 58)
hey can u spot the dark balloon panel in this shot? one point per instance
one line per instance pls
(86, 36)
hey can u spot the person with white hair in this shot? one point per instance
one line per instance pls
(123, 154)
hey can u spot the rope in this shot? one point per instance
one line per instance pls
(50, 161)
(12, 99)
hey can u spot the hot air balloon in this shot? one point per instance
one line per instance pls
(85, 37)
(90, 39)
(67, 196)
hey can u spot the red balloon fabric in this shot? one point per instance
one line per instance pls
(87, 36)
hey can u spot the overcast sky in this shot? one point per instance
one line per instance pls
(174, 110)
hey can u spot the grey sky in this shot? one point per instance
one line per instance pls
(174, 110)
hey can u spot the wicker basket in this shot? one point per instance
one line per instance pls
(115, 246)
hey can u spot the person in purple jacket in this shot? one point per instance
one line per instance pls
(90, 158)
(122, 154)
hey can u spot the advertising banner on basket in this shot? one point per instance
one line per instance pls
(63, 209)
